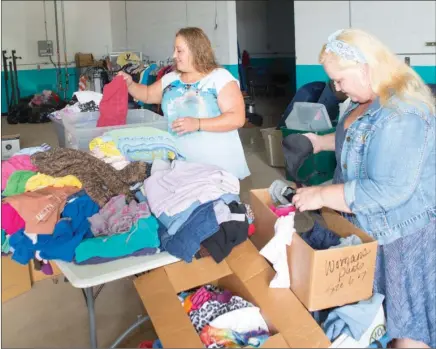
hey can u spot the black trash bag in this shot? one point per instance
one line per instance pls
(20, 113)
(40, 114)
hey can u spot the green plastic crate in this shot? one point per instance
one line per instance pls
(318, 168)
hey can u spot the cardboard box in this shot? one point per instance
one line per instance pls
(37, 275)
(15, 279)
(327, 278)
(244, 272)
(84, 60)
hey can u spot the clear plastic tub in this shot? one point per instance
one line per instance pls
(58, 126)
(81, 128)
(311, 117)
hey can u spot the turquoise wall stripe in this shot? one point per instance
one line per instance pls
(233, 69)
(427, 73)
(308, 73)
(32, 81)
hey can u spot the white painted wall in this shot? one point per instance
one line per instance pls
(99, 27)
(314, 22)
(404, 26)
(152, 25)
(265, 28)
(23, 26)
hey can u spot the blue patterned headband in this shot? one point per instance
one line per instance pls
(344, 50)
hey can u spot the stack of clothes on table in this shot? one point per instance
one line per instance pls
(198, 208)
(52, 203)
(74, 206)
(224, 320)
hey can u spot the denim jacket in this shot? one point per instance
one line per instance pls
(388, 162)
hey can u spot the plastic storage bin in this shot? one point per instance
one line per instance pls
(318, 168)
(58, 126)
(273, 145)
(312, 117)
(81, 128)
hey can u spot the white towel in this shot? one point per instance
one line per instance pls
(275, 250)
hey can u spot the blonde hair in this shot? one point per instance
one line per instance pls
(199, 44)
(388, 73)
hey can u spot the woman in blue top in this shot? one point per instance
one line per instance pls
(203, 104)
(385, 180)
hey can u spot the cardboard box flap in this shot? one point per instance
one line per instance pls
(15, 278)
(246, 262)
(301, 258)
(259, 200)
(286, 312)
(184, 276)
(342, 227)
(164, 308)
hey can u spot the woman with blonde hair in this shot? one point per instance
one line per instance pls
(203, 103)
(385, 179)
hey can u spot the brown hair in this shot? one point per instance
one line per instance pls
(199, 44)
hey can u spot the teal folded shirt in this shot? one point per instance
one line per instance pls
(142, 235)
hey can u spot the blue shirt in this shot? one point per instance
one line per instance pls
(388, 165)
(200, 100)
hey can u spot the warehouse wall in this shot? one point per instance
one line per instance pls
(23, 26)
(152, 25)
(266, 32)
(404, 26)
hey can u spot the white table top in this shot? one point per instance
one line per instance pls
(84, 276)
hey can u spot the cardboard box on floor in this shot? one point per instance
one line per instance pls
(37, 275)
(15, 279)
(18, 279)
(244, 272)
(327, 278)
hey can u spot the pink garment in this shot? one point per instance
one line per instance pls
(251, 229)
(11, 220)
(202, 295)
(117, 217)
(283, 210)
(113, 106)
(15, 163)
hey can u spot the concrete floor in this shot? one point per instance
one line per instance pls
(55, 315)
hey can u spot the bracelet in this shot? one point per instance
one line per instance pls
(199, 125)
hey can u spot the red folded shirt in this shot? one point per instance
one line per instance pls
(113, 106)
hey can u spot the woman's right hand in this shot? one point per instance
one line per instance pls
(315, 140)
(127, 78)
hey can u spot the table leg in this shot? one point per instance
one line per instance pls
(91, 312)
(134, 326)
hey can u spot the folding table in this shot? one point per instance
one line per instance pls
(86, 277)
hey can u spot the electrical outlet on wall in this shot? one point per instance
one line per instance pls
(45, 48)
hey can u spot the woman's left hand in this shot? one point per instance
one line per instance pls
(185, 125)
(308, 199)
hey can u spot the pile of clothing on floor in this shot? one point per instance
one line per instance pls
(224, 320)
(77, 206)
